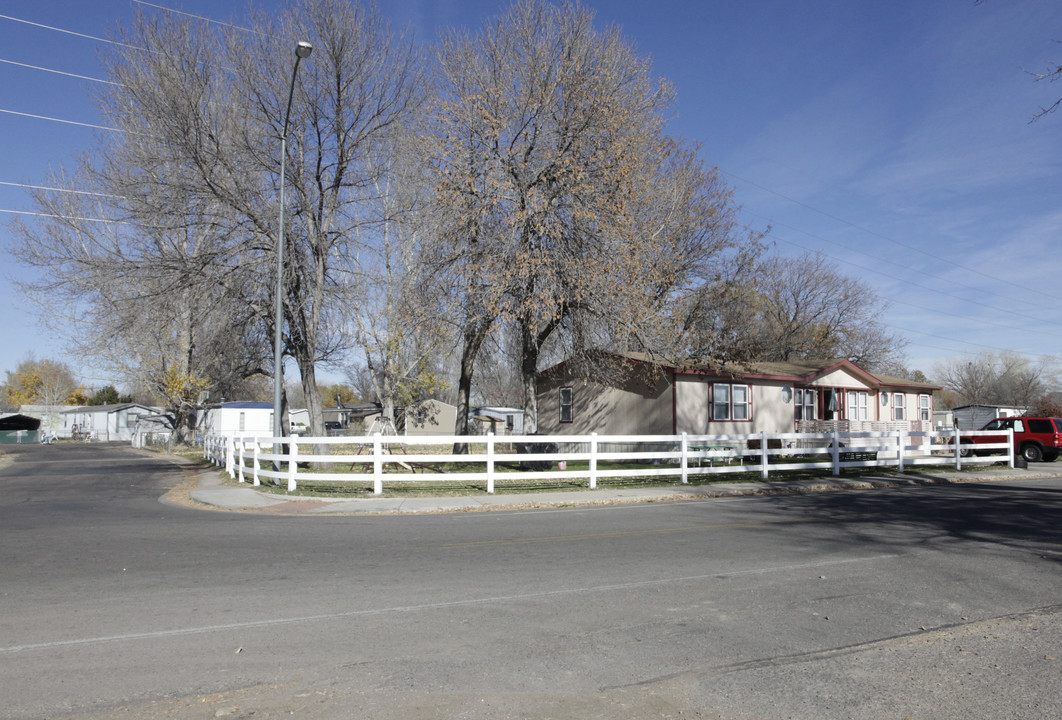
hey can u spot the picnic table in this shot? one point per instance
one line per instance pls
(711, 453)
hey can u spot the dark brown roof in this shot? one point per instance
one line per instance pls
(792, 371)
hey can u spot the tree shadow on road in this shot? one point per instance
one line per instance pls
(1028, 517)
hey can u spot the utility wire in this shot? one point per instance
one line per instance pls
(933, 290)
(64, 217)
(60, 120)
(68, 32)
(197, 17)
(55, 189)
(876, 234)
(906, 268)
(57, 72)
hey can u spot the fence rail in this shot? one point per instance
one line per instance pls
(388, 458)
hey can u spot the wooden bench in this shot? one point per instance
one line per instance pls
(857, 456)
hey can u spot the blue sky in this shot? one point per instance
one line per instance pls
(893, 137)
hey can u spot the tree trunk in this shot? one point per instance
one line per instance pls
(473, 340)
(308, 373)
(529, 352)
(531, 343)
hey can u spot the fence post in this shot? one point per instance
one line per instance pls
(293, 462)
(958, 454)
(257, 450)
(239, 458)
(593, 460)
(230, 455)
(490, 463)
(763, 454)
(1010, 446)
(901, 441)
(685, 459)
(377, 465)
(835, 453)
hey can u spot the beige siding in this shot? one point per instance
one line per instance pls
(644, 406)
(649, 405)
(911, 406)
(432, 417)
(691, 405)
(769, 413)
(840, 378)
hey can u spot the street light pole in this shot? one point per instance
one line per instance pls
(302, 50)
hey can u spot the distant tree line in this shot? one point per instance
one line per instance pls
(51, 383)
(1003, 378)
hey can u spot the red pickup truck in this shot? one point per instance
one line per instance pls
(1035, 438)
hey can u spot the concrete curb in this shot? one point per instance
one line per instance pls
(246, 499)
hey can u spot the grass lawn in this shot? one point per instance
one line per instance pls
(509, 477)
(517, 485)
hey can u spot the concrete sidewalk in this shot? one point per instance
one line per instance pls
(245, 498)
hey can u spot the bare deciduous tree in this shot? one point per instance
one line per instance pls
(195, 170)
(136, 296)
(570, 210)
(807, 309)
(1006, 378)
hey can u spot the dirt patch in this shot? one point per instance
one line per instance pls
(181, 493)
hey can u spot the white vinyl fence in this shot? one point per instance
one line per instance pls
(396, 459)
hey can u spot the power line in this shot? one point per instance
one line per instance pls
(197, 17)
(908, 331)
(876, 234)
(961, 317)
(63, 217)
(934, 290)
(957, 340)
(872, 257)
(55, 189)
(57, 72)
(60, 120)
(68, 32)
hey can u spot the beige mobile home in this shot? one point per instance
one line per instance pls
(698, 398)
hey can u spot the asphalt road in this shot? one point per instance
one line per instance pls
(933, 602)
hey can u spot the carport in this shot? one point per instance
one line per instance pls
(19, 428)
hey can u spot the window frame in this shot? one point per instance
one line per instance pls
(801, 403)
(899, 406)
(925, 407)
(730, 404)
(569, 405)
(858, 407)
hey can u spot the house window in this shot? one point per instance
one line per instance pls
(720, 401)
(925, 410)
(565, 404)
(858, 405)
(899, 409)
(740, 395)
(804, 404)
(510, 422)
(731, 402)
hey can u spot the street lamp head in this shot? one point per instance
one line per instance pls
(303, 49)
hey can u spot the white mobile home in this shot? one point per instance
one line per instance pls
(106, 423)
(238, 416)
(250, 416)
